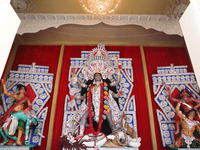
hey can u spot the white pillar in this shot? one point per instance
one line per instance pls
(190, 25)
(9, 23)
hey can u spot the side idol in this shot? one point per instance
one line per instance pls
(17, 119)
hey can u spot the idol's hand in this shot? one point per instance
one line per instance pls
(168, 89)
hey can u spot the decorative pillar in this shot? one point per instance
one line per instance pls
(9, 23)
(190, 25)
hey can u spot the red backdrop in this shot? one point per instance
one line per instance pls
(138, 91)
(44, 56)
(163, 56)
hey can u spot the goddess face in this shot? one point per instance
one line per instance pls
(97, 77)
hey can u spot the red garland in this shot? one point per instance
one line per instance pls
(90, 110)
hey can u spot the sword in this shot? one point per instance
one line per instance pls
(191, 108)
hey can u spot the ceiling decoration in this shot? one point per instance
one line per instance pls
(176, 8)
(100, 7)
(23, 6)
(31, 23)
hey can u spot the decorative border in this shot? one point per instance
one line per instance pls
(34, 22)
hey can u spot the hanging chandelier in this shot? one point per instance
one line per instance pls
(100, 7)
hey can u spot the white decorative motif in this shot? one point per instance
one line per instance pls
(171, 126)
(43, 96)
(162, 97)
(168, 141)
(171, 114)
(35, 139)
(176, 78)
(39, 102)
(35, 107)
(9, 100)
(32, 23)
(164, 127)
(163, 104)
(40, 91)
(166, 134)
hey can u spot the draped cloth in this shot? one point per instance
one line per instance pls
(8, 113)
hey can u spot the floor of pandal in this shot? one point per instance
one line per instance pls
(24, 147)
(173, 148)
(102, 148)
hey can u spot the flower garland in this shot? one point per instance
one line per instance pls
(104, 109)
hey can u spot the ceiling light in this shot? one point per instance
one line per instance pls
(100, 7)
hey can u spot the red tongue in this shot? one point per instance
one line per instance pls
(71, 98)
(73, 70)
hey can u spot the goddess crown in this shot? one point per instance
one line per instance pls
(98, 62)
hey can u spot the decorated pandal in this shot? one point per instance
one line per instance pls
(100, 110)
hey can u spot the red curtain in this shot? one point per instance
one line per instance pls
(163, 56)
(138, 91)
(44, 56)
